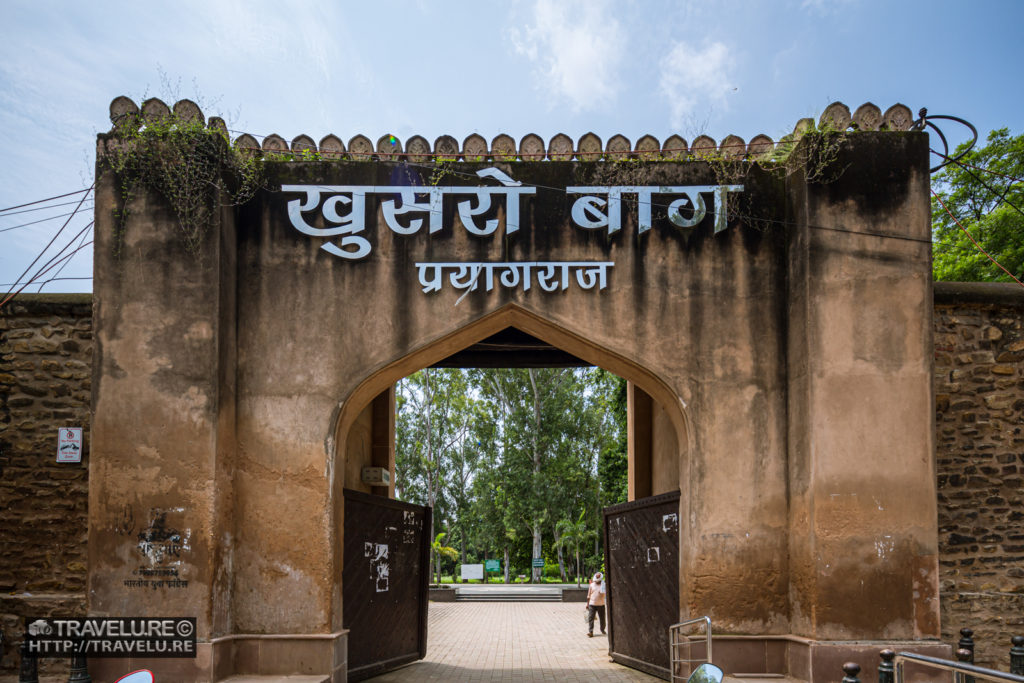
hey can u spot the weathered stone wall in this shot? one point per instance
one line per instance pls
(45, 372)
(979, 400)
(45, 384)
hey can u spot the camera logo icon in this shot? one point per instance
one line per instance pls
(40, 627)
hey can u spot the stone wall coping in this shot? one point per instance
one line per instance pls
(996, 293)
(126, 116)
(55, 298)
(49, 303)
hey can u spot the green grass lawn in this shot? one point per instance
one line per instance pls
(447, 578)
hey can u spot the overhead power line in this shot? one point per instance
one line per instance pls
(38, 208)
(12, 294)
(978, 168)
(41, 220)
(40, 201)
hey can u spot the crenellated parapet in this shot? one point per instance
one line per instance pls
(126, 115)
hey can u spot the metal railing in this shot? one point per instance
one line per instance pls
(679, 640)
(962, 673)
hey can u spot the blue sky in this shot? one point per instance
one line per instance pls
(430, 68)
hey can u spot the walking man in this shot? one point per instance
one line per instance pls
(595, 603)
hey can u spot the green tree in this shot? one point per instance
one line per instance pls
(434, 413)
(439, 550)
(613, 461)
(988, 205)
(502, 455)
(575, 535)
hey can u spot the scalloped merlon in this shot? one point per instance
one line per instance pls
(503, 147)
(154, 109)
(446, 148)
(703, 146)
(589, 147)
(189, 111)
(360, 148)
(836, 115)
(474, 148)
(274, 143)
(531, 147)
(246, 142)
(802, 126)
(868, 117)
(648, 148)
(618, 147)
(389, 147)
(218, 124)
(898, 117)
(675, 147)
(733, 147)
(303, 143)
(331, 146)
(417, 148)
(121, 108)
(760, 145)
(560, 148)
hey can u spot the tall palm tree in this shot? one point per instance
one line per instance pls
(575, 535)
(439, 550)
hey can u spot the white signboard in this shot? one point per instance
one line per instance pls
(69, 444)
(472, 571)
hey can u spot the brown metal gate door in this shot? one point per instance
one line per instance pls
(384, 581)
(642, 567)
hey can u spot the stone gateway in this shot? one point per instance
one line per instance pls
(770, 305)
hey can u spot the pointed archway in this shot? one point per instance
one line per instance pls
(363, 430)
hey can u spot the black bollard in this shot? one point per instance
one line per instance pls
(851, 669)
(1017, 655)
(964, 656)
(966, 643)
(886, 670)
(79, 670)
(29, 671)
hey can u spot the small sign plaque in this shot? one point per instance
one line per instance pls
(492, 565)
(472, 571)
(538, 562)
(69, 444)
(376, 476)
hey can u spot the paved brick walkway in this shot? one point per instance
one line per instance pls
(512, 641)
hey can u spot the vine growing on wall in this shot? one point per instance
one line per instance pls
(812, 152)
(193, 167)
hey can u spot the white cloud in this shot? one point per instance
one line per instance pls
(692, 76)
(823, 7)
(577, 48)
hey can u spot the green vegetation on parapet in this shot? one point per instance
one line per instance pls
(193, 167)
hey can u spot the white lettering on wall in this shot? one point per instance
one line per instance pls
(594, 212)
(413, 204)
(551, 276)
(408, 209)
